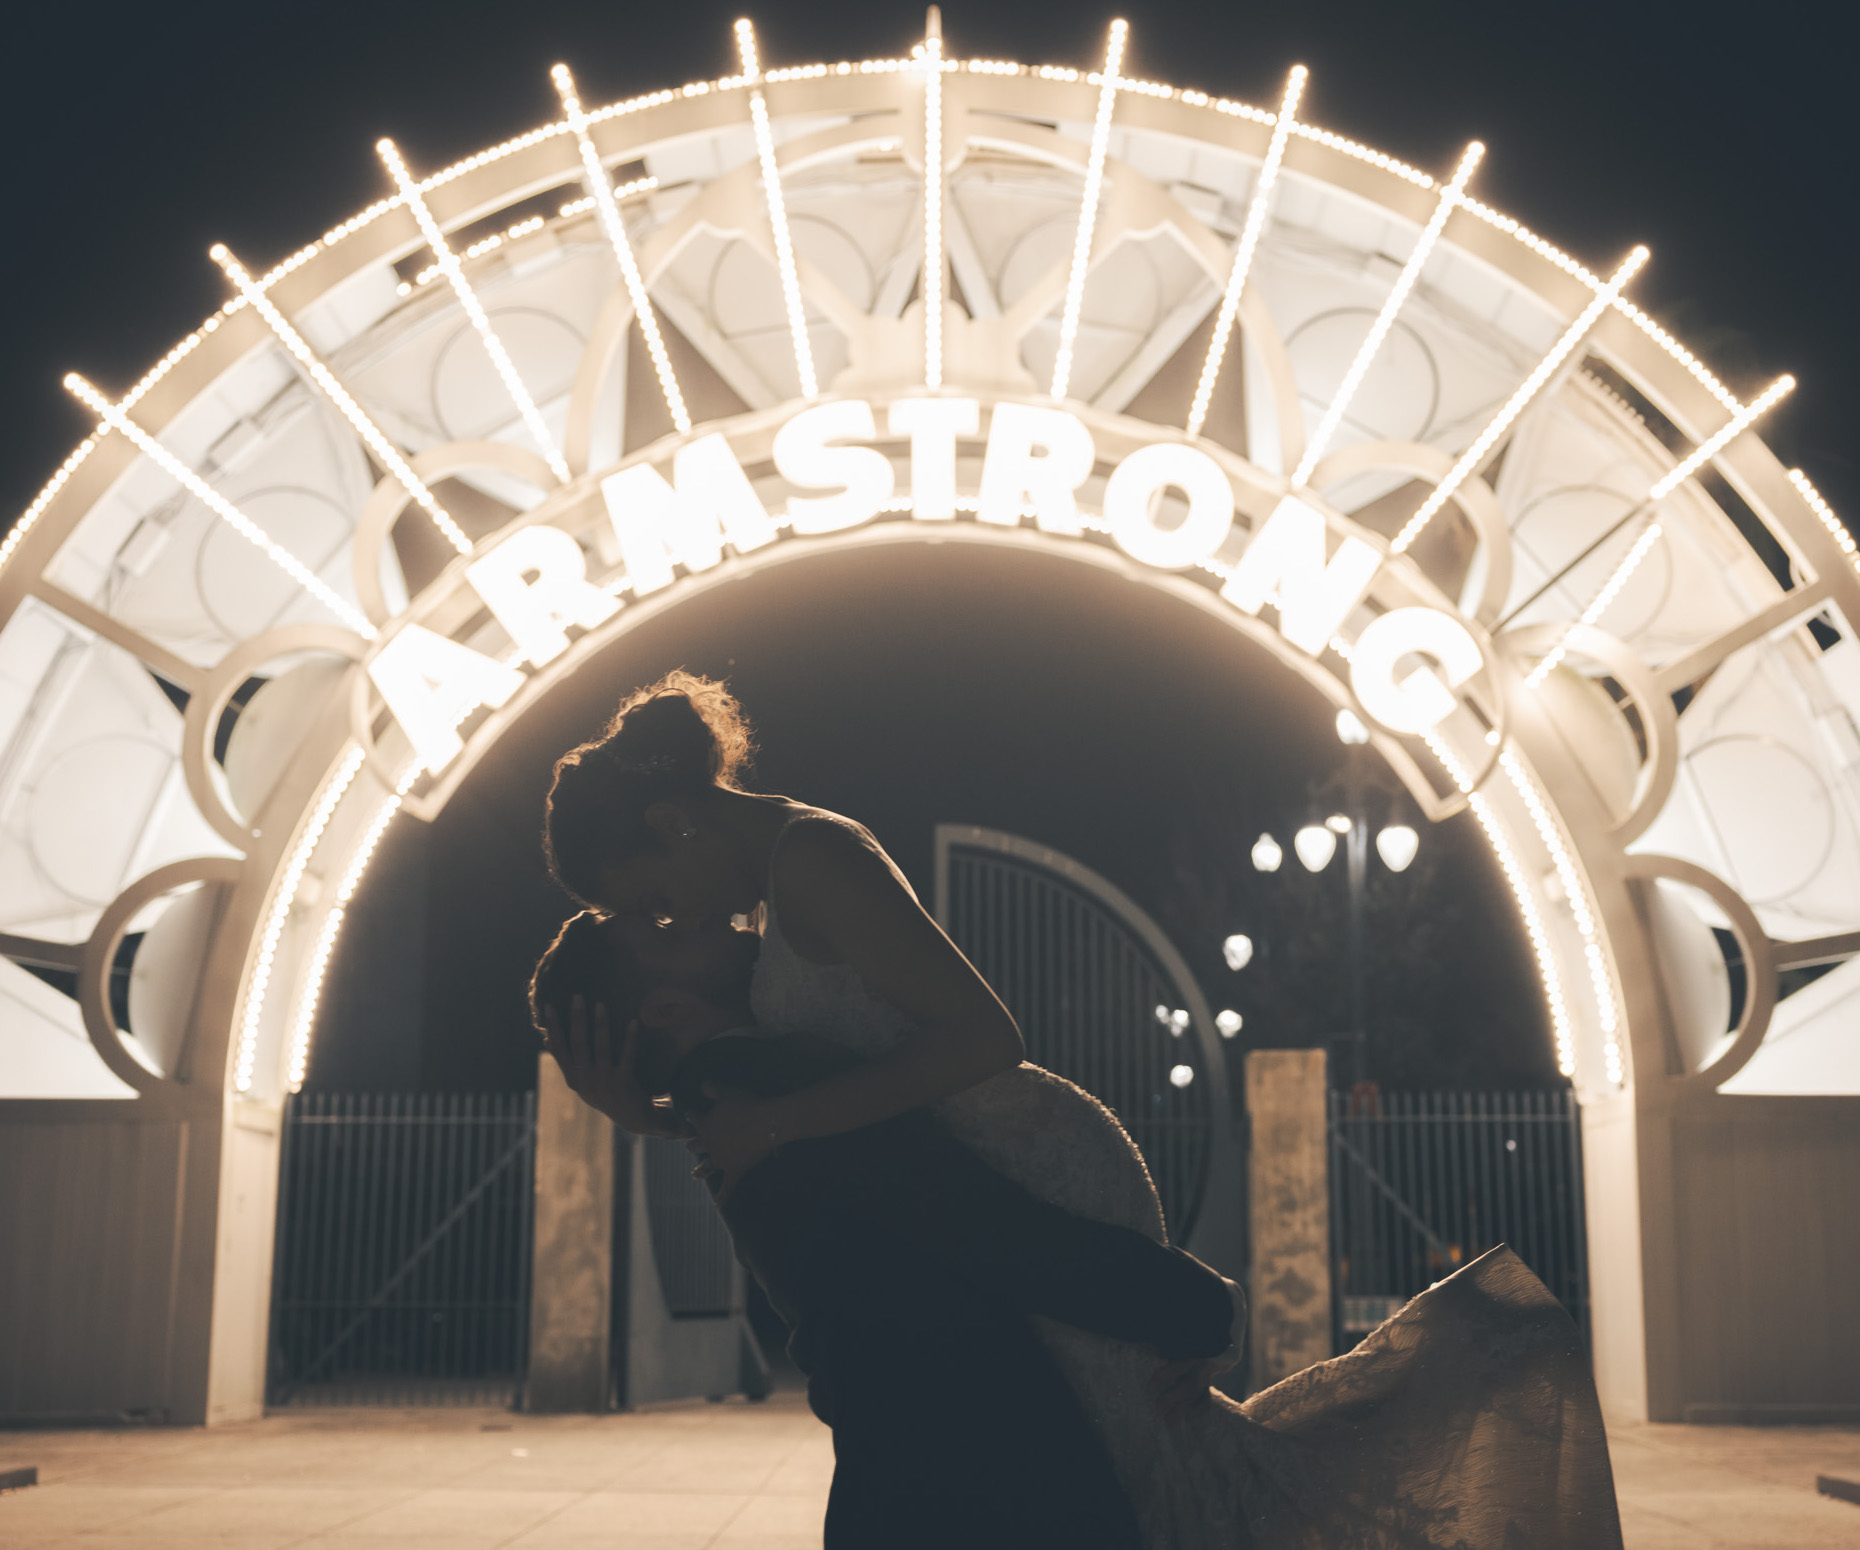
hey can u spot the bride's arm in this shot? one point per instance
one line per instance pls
(840, 903)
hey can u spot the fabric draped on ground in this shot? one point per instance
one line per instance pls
(1467, 1422)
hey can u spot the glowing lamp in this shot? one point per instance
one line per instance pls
(1350, 728)
(1315, 845)
(1396, 845)
(1337, 823)
(1238, 951)
(1181, 1076)
(1266, 854)
(1228, 1021)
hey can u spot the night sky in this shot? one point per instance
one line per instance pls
(1721, 137)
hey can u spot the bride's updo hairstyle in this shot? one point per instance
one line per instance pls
(672, 739)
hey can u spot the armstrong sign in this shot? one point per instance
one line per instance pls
(1166, 504)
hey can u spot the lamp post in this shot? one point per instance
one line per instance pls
(1315, 844)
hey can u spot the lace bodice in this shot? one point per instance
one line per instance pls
(790, 994)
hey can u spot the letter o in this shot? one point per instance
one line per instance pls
(1137, 481)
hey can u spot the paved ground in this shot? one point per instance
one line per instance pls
(701, 1477)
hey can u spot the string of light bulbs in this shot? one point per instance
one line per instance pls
(1448, 202)
(1661, 488)
(933, 285)
(1088, 209)
(338, 395)
(1500, 423)
(222, 508)
(1250, 234)
(474, 310)
(607, 209)
(778, 211)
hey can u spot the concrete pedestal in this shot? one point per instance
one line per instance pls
(572, 1265)
(1289, 1200)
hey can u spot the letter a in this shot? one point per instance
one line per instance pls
(432, 683)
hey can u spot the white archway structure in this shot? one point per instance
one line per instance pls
(1655, 725)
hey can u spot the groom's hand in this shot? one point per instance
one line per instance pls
(599, 1069)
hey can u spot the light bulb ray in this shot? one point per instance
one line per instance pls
(222, 508)
(607, 211)
(332, 389)
(1448, 202)
(474, 309)
(1257, 208)
(792, 300)
(1540, 375)
(1088, 210)
(1643, 545)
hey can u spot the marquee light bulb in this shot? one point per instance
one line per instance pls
(1315, 845)
(1398, 845)
(474, 311)
(607, 211)
(1449, 201)
(1243, 253)
(1237, 951)
(1267, 856)
(337, 394)
(222, 508)
(1825, 514)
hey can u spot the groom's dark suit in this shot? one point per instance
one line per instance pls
(906, 1267)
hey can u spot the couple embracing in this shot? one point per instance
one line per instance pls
(968, 1249)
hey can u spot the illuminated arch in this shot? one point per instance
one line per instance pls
(1149, 250)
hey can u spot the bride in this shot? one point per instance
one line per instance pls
(1467, 1422)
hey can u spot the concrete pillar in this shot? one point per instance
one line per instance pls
(1289, 1200)
(571, 1265)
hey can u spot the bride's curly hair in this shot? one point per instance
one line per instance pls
(672, 738)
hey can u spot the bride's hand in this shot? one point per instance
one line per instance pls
(601, 1075)
(735, 1135)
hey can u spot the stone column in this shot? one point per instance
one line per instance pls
(571, 1265)
(1289, 1200)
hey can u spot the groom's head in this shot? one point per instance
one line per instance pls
(595, 959)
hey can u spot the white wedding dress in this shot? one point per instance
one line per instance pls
(1467, 1422)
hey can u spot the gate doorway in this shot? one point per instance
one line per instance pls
(1104, 999)
(403, 1249)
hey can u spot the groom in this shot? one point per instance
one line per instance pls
(906, 1268)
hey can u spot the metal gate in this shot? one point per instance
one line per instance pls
(1422, 1183)
(403, 1249)
(1104, 999)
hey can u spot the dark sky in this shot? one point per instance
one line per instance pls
(137, 135)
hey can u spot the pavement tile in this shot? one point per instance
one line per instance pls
(496, 1514)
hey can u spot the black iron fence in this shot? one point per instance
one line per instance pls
(403, 1247)
(1421, 1183)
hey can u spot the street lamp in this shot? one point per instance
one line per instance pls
(1316, 843)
